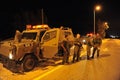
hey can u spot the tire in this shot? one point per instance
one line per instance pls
(28, 63)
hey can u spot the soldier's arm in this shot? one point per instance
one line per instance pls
(63, 47)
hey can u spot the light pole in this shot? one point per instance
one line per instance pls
(97, 8)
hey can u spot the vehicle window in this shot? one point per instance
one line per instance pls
(41, 34)
(49, 35)
(53, 34)
(46, 37)
(67, 33)
(29, 35)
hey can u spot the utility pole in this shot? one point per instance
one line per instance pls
(94, 21)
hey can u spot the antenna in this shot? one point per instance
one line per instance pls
(42, 16)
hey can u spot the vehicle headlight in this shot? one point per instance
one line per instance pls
(12, 52)
(11, 55)
(84, 40)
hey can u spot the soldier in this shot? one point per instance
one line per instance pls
(65, 46)
(77, 48)
(97, 41)
(18, 35)
(89, 46)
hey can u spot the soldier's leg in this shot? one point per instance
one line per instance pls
(94, 49)
(78, 55)
(67, 57)
(98, 50)
(74, 55)
(64, 58)
(88, 53)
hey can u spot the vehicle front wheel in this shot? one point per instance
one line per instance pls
(28, 63)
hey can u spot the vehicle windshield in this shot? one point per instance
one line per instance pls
(29, 35)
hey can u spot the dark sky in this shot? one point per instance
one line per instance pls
(77, 14)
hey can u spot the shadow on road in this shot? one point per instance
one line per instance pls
(104, 55)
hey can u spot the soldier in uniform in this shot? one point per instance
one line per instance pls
(18, 35)
(65, 46)
(97, 41)
(77, 48)
(89, 46)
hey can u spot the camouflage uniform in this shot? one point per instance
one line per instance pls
(97, 41)
(89, 46)
(66, 49)
(77, 49)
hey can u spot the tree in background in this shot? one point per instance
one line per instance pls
(102, 27)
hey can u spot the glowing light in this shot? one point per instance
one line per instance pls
(28, 27)
(97, 7)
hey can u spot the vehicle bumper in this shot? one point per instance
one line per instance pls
(12, 65)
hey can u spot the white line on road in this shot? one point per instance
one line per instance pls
(41, 76)
(47, 73)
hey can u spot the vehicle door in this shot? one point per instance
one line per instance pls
(50, 43)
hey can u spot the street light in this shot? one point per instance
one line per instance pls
(97, 8)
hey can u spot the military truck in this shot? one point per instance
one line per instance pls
(32, 46)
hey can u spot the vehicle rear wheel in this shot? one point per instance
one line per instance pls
(28, 63)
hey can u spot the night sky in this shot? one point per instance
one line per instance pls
(76, 14)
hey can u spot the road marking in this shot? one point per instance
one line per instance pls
(47, 73)
(41, 76)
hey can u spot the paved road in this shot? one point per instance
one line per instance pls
(106, 67)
